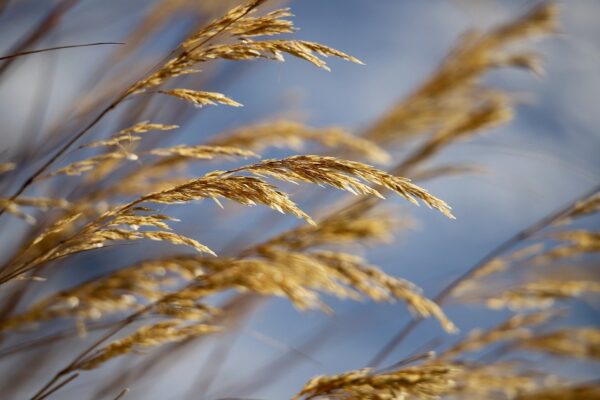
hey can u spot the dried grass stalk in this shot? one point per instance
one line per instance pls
(514, 328)
(200, 99)
(130, 134)
(203, 152)
(423, 382)
(6, 167)
(566, 342)
(293, 135)
(146, 336)
(542, 294)
(589, 391)
(344, 175)
(455, 88)
(14, 206)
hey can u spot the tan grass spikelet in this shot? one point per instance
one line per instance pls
(337, 230)
(473, 284)
(185, 310)
(566, 342)
(267, 278)
(260, 136)
(6, 167)
(182, 64)
(176, 239)
(583, 238)
(203, 152)
(295, 280)
(272, 23)
(10, 207)
(227, 22)
(344, 175)
(573, 243)
(135, 221)
(379, 286)
(455, 86)
(429, 173)
(14, 206)
(42, 203)
(87, 302)
(145, 337)
(585, 207)
(126, 289)
(237, 22)
(374, 284)
(590, 391)
(195, 49)
(160, 13)
(494, 266)
(514, 328)
(102, 232)
(301, 276)
(340, 174)
(147, 177)
(130, 134)
(525, 252)
(119, 140)
(147, 184)
(58, 226)
(494, 112)
(498, 380)
(242, 189)
(297, 276)
(528, 61)
(200, 99)
(542, 294)
(539, 21)
(98, 238)
(80, 167)
(273, 50)
(172, 69)
(282, 133)
(423, 382)
(90, 237)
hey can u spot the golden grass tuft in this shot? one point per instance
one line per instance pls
(424, 382)
(146, 336)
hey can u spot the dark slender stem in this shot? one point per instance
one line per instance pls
(59, 386)
(406, 361)
(45, 25)
(42, 393)
(63, 149)
(71, 46)
(122, 394)
(47, 386)
(44, 340)
(501, 249)
(73, 365)
(131, 318)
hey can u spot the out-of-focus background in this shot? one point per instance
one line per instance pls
(546, 157)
